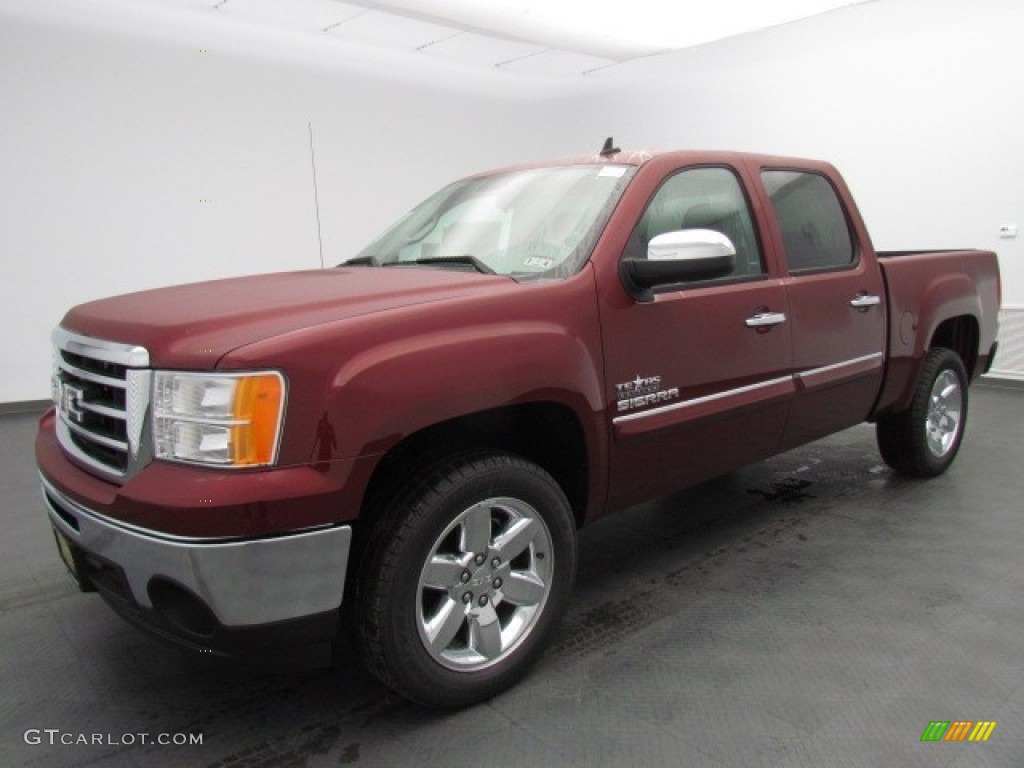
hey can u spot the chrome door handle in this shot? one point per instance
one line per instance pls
(765, 319)
(865, 300)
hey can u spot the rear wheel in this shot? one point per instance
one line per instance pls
(465, 576)
(923, 440)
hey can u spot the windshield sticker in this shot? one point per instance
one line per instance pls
(614, 171)
(643, 391)
(537, 261)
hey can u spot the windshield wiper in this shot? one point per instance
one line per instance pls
(359, 261)
(471, 261)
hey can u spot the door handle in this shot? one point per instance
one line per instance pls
(865, 300)
(766, 319)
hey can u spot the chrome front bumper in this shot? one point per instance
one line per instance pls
(243, 583)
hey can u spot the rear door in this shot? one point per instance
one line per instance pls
(699, 376)
(836, 302)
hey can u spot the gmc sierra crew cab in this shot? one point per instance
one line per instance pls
(404, 446)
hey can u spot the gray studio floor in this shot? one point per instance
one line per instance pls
(813, 610)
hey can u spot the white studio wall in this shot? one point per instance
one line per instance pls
(916, 101)
(120, 121)
(133, 158)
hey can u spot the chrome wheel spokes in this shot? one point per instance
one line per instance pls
(484, 584)
(945, 407)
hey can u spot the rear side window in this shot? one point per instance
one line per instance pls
(814, 228)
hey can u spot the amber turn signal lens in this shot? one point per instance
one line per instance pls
(257, 413)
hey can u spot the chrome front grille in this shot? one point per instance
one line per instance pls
(101, 390)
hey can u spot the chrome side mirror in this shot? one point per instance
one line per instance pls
(678, 257)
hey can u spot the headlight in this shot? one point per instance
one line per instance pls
(226, 419)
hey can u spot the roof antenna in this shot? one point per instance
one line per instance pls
(609, 148)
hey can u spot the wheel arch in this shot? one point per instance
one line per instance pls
(960, 334)
(546, 433)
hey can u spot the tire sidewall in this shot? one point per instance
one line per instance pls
(422, 677)
(938, 361)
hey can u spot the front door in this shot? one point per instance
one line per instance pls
(700, 375)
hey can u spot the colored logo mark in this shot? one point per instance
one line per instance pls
(958, 730)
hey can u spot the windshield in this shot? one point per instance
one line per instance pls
(531, 223)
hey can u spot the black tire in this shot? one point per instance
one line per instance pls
(923, 440)
(422, 573)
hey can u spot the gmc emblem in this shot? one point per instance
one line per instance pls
(70, 398)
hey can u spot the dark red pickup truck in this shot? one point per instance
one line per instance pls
(405, 445)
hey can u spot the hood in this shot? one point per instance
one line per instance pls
(193, 326)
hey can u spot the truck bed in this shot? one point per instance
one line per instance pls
(923, 288)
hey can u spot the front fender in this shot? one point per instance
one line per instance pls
(396, 389)
(358, 386)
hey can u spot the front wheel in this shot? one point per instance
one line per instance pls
(923, 440)
(465, 576)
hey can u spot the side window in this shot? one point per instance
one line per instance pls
(701, 198)
(814, 228)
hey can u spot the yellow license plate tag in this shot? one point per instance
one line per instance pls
(64, 547)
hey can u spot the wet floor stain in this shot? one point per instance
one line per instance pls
(789, 491)
(605, 624)
(350, 754)
(293, 749)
